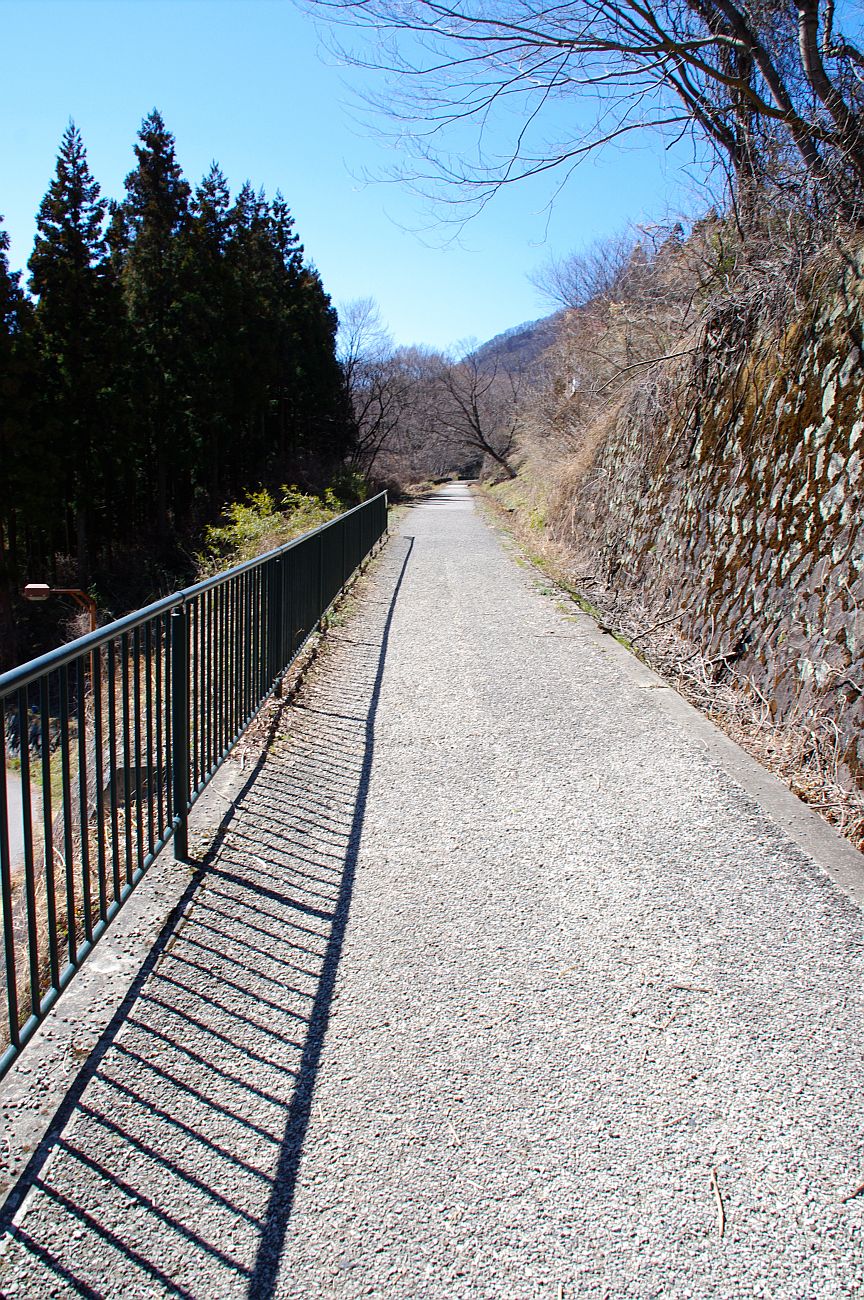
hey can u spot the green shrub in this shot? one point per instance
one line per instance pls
(256, 525)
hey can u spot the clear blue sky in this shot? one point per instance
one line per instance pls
(246, 82)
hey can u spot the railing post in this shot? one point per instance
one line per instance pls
(180, 730)
(6, 883)
(343, 528)
(321, 581)
(277, 654)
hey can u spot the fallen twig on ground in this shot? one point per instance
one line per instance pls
(673, 618)
(721, 1212)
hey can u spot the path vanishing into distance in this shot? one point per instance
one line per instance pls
(493, 983)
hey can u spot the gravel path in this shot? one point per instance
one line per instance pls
(562, 988)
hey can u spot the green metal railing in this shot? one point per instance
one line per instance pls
(108, 742)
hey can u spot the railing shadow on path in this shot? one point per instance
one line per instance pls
(171, 1166)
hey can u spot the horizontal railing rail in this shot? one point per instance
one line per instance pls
(108, 742)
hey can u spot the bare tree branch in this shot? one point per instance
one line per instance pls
(749, 79)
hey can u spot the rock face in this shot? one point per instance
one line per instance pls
(736, 492)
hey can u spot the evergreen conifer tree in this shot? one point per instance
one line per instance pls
(213, 323)
(73, 335)
(156, 216)
(18, 475)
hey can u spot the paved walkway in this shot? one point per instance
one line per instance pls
(493, 985)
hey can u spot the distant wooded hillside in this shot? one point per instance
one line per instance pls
(520, 347)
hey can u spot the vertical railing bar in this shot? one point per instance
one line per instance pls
(344, 532)
(235, 658)
(220, 648)
(284, 631)
(256, 628)
(238, 650)
(201, 674)
(83, 798)
(235, 662)
(161, 738)
(247, 623)
(271, 609)
(258, 642)
(180, 728)
(262, 628)
(47, 830)
(320, 548)
(276, 621)
(192, 617)
(268, 644)
(229, 675)
(66, 786)
(148, 711)
(206, 682)
(257, 634)
(127, 750)
(137, 733)
(198, 711)
(99, 779)
(217, 672)
(192, 623)
(250, 641)
(112, 767)
(244, 645)
(6, 886)
(289, 603)
(204, 688)
(169, 743)
(210, 657)
(29, 863)
(260, 622)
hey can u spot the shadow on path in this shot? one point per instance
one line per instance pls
(171, 1166)
(262, 1282)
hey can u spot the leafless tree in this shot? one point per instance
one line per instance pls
(421, 448)
(595, 274)
(395, 395)
(377, 385)
(773, 86)
(363, 336)
(479, 408)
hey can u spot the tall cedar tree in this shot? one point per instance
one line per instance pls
(18, 474)
(72, 338)
(214, 317)
(156, 214)
(253, 267)
(312, 409)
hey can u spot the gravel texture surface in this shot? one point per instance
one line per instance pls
(494, 985)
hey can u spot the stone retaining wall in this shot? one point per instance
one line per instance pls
(737, 495)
